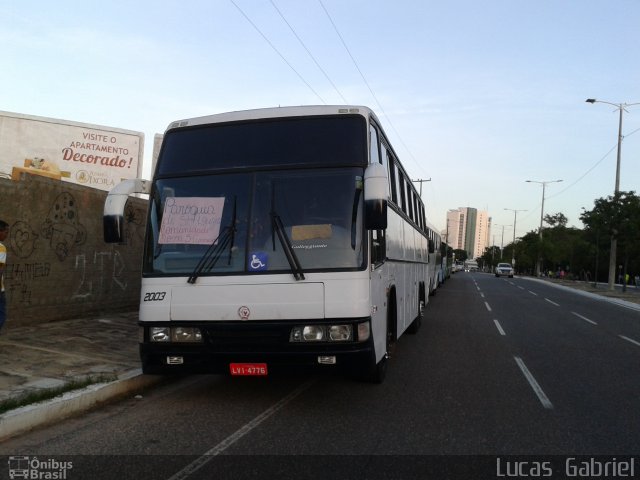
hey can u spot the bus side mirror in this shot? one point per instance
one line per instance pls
(112, 226)
(113, 216)
(376, 195)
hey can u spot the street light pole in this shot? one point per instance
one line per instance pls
(544, 185)
(614, 242)
(513, 252)
(502, 241)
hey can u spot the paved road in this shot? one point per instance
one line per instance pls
(500, 367)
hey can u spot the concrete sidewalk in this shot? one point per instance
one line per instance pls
(50, 355)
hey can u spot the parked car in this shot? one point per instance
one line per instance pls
(504, 269)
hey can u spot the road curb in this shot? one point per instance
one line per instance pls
(28, 417)
(617, 301)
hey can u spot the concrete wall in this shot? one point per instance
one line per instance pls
(58, 264)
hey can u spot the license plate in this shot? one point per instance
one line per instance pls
(248, 369)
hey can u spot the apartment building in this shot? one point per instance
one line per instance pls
(468, 229)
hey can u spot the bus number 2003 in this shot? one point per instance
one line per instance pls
(154, 296)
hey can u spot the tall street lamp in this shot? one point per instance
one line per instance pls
(502, 241)
(544, 185)
(513, 252)
(614, 242)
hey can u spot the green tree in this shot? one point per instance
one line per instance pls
(618, 216)
(556, 220)
(490, 258)
(460, 254)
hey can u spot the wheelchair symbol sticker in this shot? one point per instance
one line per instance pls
(258, 261)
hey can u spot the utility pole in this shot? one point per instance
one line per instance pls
(421, 181)
(515, 218)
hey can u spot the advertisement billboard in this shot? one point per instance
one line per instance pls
(90, 155)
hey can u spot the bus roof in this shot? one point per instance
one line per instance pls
(275, 112)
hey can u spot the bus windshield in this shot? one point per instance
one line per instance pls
(225, 223)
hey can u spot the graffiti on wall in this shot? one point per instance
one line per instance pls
(102, 275)
(22, 239)
(95, 274)
(62, 226)
(134, 219)
(22, 276)
(57, 257)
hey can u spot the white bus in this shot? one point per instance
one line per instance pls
(470, 266)
(436, 269)
(278, 239)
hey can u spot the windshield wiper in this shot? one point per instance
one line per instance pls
(215, 250)
(278, 227)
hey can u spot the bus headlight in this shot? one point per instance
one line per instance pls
(313, 333)
(322, 333)
(175, 334)
(160, 334)
(340, 333)
(186, 335)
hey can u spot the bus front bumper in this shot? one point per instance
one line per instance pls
(264, 347)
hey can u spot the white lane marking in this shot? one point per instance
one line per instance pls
(546, 403)
(482, 294)
(552, 303)
(499, 327)
(635, 342)
(533, 293)
(584, 318)
(520, 287)
(238, 434)
(487, 305)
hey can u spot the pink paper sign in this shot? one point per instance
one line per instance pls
(191, 220)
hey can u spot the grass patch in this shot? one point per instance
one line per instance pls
(41, 395)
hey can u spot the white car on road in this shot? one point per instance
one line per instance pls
(504, 269)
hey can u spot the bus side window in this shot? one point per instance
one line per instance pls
(410, 201)
(378, 247)
(392, 178)
(401, 191)
(374, 146)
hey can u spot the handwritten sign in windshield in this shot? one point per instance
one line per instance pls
(191, 220)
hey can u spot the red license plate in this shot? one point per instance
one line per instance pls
(250, 369)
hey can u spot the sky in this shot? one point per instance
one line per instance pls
(476, 96)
